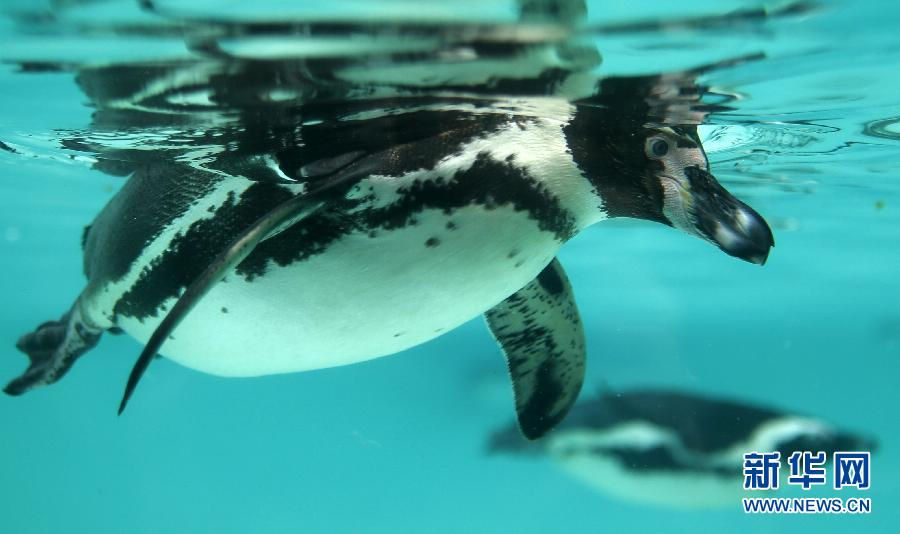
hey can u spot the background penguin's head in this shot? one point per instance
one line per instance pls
(659, 173)
(821, 437)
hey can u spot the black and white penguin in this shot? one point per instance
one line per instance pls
(334, 230)
(375, 250)
(674, 448)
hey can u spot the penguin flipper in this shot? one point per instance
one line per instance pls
(540, 332)
(282, 216)
(52, 349)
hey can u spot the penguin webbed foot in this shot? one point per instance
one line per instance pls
(52, 349)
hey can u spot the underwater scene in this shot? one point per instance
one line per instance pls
(465, 266)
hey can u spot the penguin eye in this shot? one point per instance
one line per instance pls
(657, 148)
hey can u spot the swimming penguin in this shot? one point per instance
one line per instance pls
(366, 232)
(674, 448)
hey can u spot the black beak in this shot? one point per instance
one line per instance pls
(733, 226)
(849, 442)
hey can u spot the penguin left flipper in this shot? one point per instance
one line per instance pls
(282, 216)
(540, 332)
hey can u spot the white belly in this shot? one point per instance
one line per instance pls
(685, 488)
(362, 298)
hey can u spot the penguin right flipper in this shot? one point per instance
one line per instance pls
(282, 216)
(52, 349)
(540, 332)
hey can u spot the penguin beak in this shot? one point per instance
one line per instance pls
(717, 216)
(850, 442)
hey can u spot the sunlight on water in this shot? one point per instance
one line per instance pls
(796, 104)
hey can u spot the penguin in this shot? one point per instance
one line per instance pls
(276, 235)
(674, 448)
(376, 249)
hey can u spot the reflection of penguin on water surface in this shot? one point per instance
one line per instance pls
(673, 448)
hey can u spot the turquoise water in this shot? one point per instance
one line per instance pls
(398, 444)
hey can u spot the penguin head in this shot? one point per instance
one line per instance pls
(822, 437)
(695, 202)
(662, 174)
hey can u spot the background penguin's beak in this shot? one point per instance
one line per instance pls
(733, 226)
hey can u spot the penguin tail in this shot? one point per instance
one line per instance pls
(52, 349)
